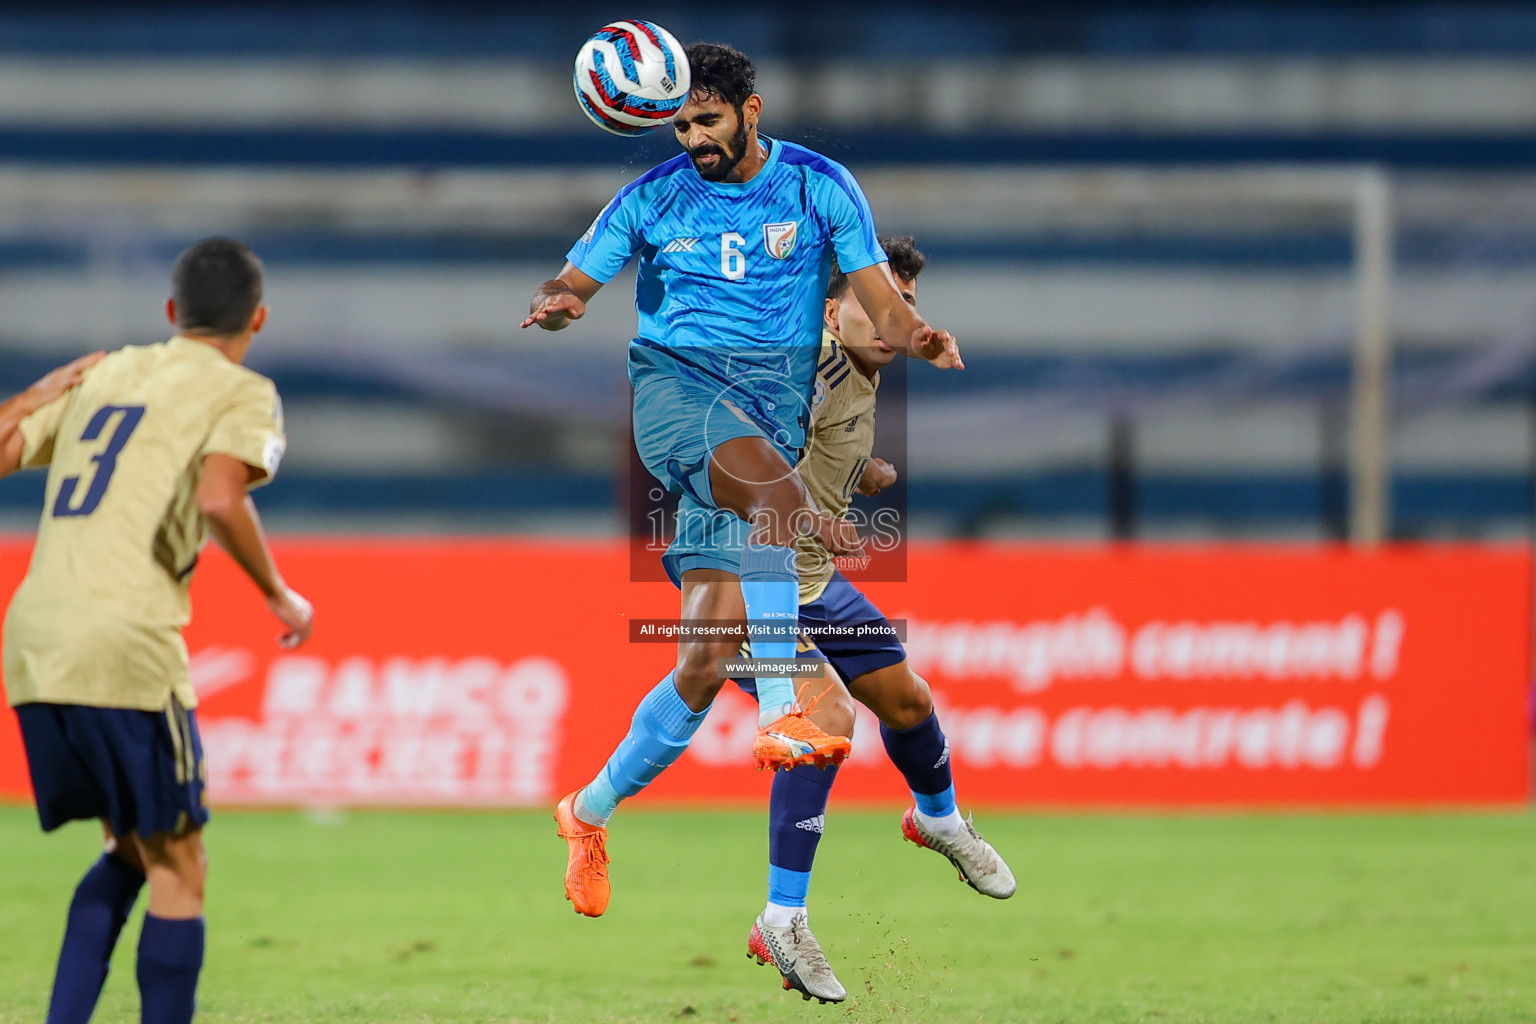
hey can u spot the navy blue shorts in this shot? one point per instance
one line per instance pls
(848, 631)
(141, 771)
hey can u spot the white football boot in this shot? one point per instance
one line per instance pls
(798, 957)
(979, 864)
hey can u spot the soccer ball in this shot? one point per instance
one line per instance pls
(631, 77)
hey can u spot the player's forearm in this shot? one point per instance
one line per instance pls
(893, 316)
(897, 323)
(237, 528)
(12, 412)
(19, 406)
(10, 447)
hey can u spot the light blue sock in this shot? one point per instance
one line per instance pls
(936, 805)
(770, 585)
(788, 888)
(658, 735)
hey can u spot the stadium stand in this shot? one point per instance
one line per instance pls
(410, 175)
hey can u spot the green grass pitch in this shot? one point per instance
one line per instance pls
(383, 917)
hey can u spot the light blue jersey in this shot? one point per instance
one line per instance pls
(732, 284)
(732, 280)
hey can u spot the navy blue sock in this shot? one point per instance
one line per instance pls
(96, 915)
(797, 814)
(170, 958)
(921, 754)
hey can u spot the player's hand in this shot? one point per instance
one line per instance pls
(293, 612)
(838, 535)
(877, 476)
(938, 347)
(61, 380)
(553, 310)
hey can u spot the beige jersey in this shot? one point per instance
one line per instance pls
(98, 618)
(842, 437)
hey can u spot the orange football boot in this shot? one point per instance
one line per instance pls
(586, 870)
(794, 739)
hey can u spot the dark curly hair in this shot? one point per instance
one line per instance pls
(719, 70)
(907, 261)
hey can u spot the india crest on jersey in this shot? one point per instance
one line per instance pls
(780, 239)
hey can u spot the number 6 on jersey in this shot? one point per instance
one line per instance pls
(733, 262)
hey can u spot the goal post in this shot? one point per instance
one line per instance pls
(1358, 198)
(1370, 519)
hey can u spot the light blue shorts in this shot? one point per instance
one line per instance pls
(678, 422)
(705, 538)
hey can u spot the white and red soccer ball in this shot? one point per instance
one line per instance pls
(631, 76)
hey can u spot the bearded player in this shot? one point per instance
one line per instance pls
(870, 665)
(736, 240)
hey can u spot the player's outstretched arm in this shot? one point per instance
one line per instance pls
(223, 499)
(19, 407)
(898, 323)
(561, 299)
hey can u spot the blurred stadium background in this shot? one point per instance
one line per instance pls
(1140, 219)
(1165, 235)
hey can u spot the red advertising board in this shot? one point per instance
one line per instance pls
(500, 673)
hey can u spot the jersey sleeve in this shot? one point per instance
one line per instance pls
(854, 239)
(250, 428)
(612, 240)
(39, 430)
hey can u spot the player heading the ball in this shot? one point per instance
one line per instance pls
(735, 240)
